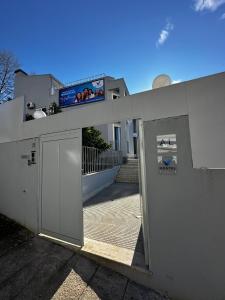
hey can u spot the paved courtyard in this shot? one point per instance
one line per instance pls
(34, 268)
(113, 216)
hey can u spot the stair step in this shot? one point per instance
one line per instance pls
(136, 174)
(129, 167)
(127, 176)
(129, 172)
(117, 259)
(127, 179)
(133, 160)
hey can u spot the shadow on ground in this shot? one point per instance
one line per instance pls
(113, 192)
(113, 217)
(34, 268)
(139, 251)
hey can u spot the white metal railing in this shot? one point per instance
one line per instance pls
(94, 160)
(83, 80)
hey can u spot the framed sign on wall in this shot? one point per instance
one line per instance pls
(167, 153)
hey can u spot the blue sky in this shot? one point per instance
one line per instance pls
(137, 40)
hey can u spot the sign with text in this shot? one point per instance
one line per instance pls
(167, 153)
(83, 93)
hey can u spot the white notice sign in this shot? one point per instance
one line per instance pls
(167, 153)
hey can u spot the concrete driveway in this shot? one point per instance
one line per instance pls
(113, 216)
(34, 268)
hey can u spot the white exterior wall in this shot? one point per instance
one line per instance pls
(115, 84)
(95, 182)
(11, 118)
(108, 134)
(111, 139)
(129, 137)
(186, 213)
(104, 131)
(19, 183)
(175, 100)
(186, 219)
(206, 109)
(36, 88)
(165, 102)
(124, 138)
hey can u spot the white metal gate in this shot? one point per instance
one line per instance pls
(61, 199)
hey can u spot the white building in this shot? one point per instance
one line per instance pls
(42, 90)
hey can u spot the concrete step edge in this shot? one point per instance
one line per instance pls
(129, 166)
(127, 181)
(134, 273)
(128, 173)
(128, 177)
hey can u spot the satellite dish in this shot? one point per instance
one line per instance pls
(161, 81)
(38, 114)
(30, 105)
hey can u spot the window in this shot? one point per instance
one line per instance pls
(115, 96)
(117, 137)
(134, 126)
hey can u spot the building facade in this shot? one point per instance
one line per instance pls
(42, 90)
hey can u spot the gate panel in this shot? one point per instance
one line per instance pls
(50, 186)
(61, 207)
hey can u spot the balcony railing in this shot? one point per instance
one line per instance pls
(83, 80)
(94, 160)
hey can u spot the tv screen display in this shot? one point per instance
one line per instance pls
(88, 92)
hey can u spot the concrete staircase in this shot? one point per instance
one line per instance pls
(128, 172)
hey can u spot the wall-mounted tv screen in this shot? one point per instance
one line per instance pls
(87, 92)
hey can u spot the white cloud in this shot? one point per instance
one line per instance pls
(164, 34)
(211, 5)
(223, 16)
(176, 81)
